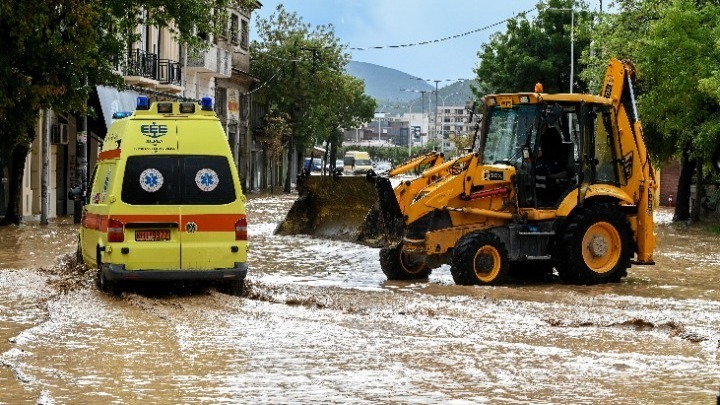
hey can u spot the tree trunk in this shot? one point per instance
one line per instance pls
(291, 148)
(17, 169)
(682, 204)
(697, 201)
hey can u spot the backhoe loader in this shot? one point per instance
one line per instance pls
(558, 181)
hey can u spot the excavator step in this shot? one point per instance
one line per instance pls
(547, 257)
(536, 233)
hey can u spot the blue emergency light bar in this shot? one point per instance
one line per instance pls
(206, 104)
(121, 114)
(143, 103)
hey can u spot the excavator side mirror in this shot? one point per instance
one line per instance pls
(526, 152)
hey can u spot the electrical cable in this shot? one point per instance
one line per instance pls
(442, 39)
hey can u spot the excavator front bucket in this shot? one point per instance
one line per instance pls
(356, 209)
(333, 207)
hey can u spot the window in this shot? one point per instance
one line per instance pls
(605, 168)
(508, 129)
(177, 179)
(245, 36)
(221, 102)
(234, 28)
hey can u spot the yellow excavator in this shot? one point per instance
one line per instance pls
(558, 181)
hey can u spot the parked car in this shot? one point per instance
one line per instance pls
(315, 166)
(339, 164)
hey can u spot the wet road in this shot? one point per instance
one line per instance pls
(321, 324)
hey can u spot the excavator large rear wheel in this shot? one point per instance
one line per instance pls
(595, 247)
(479, 258)
(398, 265)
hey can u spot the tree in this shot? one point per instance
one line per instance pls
(54, 52)
(343, 105)
(276, 131)
(303, 73)
(677, 65)
(536, 50)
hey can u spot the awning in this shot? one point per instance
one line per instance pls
(112, 100)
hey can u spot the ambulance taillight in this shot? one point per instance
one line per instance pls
(241, 229)
(115, 231)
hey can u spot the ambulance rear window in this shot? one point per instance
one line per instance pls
(178, 179)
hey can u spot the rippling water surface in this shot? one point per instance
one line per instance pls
(321, 324)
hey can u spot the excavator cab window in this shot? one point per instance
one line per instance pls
(601, 166)
(556, 151)
(508, 130)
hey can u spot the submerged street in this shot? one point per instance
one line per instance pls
(320, 323)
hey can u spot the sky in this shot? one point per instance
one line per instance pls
(373, 23)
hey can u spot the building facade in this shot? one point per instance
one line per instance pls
(159, 67)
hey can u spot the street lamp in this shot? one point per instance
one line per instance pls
(436, 112)
(442, 137)
(422, 116)
(377, 116)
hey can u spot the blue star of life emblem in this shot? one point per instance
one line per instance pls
(151, 180)
(206, 179)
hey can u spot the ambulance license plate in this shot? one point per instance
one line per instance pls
(152, 235)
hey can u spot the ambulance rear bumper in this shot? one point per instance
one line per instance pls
(117, 272)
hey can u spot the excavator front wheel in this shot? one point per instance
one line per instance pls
(398, 265)
(479, 258)
(595, 247)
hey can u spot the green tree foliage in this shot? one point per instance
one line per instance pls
(674, 45)
(53, 52)
(536, 50)
(303, 73)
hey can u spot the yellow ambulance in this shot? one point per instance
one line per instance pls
(165, 202)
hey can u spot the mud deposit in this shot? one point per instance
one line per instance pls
(319, 323)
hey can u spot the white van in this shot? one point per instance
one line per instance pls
(357, 162)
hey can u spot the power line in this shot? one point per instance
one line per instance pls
(487, 27)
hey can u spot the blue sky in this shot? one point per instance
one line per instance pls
(368, 23)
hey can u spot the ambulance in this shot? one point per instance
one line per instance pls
(165, 202)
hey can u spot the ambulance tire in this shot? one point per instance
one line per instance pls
(109, 287)
(233, 287)
(78, 252)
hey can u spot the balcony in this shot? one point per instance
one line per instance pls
(216, 61)
(140, 68)
(169, 76)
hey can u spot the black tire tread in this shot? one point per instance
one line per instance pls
(393, 268)
(567, 254)
(462, 267)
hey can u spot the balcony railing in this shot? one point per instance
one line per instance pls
(169, 72)
(141, 63)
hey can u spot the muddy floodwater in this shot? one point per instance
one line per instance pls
(320, 324)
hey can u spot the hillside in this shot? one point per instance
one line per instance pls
(384, 85)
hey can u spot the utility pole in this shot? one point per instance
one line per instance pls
(45, 169)
(442, 141)
(81, 163)
(293, 118)
(422, 116)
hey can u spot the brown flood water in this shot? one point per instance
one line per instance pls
(321, 324)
